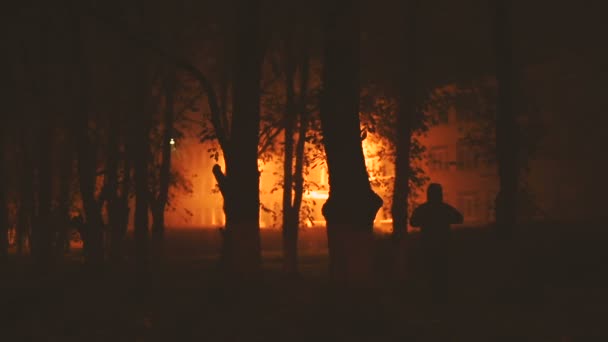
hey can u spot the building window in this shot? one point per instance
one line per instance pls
(465, 115)
(323, 176)
(438, 158)
(467, 158)
(469, 205)
(443, 117)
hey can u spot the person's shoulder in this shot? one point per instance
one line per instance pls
(422, 206)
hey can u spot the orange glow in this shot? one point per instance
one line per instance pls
(470, 190)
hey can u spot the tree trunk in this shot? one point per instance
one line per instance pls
(352, 205)
(140, 160)
(87, 175)
(506, 125)
(41, 230)
(406, 87)
(118, 214)
(111, 187)
(290, 217)
(86, 153)
(241, 190)
(26, 200)
(4, 223)
(158, 214)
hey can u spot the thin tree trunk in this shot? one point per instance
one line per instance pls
(291, 215)
(290, 218)
(506, 125)
(140, 161)
(158, 226)
(111, 185)
(352, 205)
(4, 222)
(118, 212)
(26, 200)
(87, 155)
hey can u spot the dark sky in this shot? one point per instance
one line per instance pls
(454, 37)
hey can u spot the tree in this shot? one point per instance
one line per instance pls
(506, 124)
(87, 151)
(3, 200)
(406, 117)
(352, 205)
(159, 200)
(297, 118)
(241, 180)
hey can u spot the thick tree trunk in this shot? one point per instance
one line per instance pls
(352, 205)
(241, 190)
(406, 87)
(506, 125)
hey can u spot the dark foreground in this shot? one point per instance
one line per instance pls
(549, 286)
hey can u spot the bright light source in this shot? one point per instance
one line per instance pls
(172, 142)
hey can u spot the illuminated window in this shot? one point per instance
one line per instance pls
(323, 176)
(442, 117)
(467, 158)
(465, 115)
(469, 205)
(438, 158)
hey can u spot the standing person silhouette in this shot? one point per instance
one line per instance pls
(434, 218)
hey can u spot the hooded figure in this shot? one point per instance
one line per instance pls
(434, 218)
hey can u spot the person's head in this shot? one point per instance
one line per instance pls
(434, 193)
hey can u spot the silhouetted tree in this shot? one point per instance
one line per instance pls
(4, 223)
(506, 124)
(406, 117)
(297, 120)
(159, 200)
(241, 180)
(352, 205)
(87, 151)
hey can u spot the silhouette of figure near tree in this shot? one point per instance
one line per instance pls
(434, 218)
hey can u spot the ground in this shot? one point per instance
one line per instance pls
(548, 286)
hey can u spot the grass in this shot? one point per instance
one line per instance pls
(548, 284)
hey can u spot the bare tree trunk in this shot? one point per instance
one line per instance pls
(352, 205)
(506, 125)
